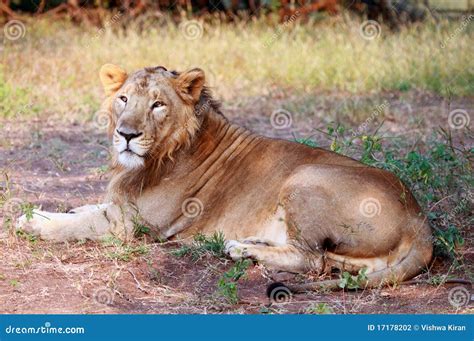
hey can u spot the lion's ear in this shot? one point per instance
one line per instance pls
(112, 78)
(189, 85)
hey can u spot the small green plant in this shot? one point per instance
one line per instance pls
(448, 241)
(139, 229)
(17, 207)
(14, 283)
(27, 236)
(227, 284)
(320, 309)
(350, 282)
(336, 132)
(437, 280)
(403, 85)
(27, 209)
(126, 253)
(370, 145)
(202, 245)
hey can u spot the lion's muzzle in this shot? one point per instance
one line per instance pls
(129, 146)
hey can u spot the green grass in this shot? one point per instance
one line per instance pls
(27, 236)
(214, 246)
(27, 209)
(118, 250)
(14, 283)
(55, 66)
(319, 309)
(16, 100)
(12, 207)
(227, 284)
(202, 245)
(139, 229)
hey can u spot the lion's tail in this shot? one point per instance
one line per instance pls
(417, 258)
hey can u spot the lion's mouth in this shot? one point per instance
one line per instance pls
(129, 151)
(130, 159)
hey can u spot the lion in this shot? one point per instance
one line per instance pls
(181, 168)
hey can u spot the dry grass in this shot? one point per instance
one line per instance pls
(53, 68)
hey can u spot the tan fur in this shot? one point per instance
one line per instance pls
(286, 205)
(112, 78)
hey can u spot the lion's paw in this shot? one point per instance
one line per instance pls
(34, 224)
(237, 250)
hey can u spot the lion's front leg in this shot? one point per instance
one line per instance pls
(88, 222)
(87, 208)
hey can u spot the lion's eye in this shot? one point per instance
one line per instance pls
(157, 104)
(123, 99)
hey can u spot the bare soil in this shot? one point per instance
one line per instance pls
(58, 165)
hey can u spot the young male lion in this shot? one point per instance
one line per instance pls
(181, 168)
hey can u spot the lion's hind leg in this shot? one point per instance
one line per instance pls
(283, 257)
(409, 260)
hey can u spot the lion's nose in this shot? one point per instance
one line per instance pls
(129, 134)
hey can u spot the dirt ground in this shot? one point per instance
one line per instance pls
(61, 165)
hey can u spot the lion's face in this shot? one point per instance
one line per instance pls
(152, 111)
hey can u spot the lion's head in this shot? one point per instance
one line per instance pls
(152, 111)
